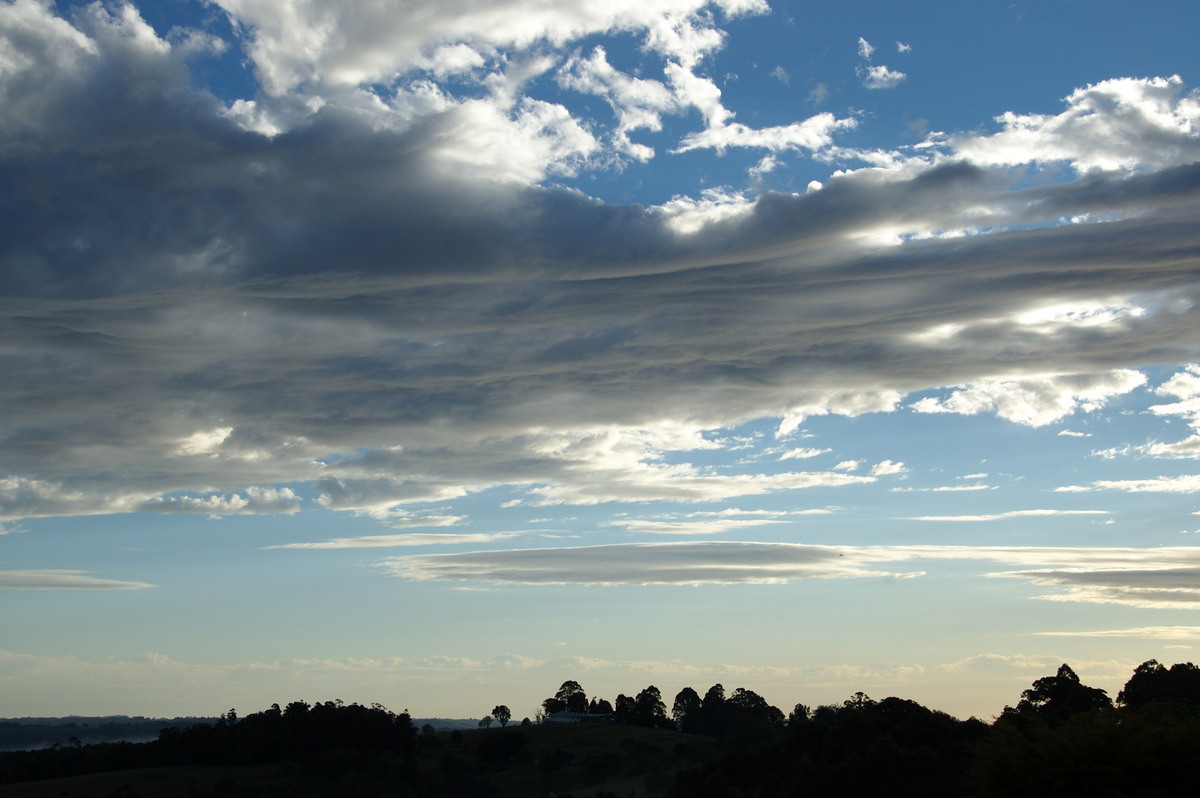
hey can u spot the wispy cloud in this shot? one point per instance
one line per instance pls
(62, 580)
(1007, 515)
(1188, 483)
(405, 539)
(1148, 632)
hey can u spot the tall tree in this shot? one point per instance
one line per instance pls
(712, 711)
(1056, 698)
(650, 709)
(572, 696)
(686, 710)
(502, 714)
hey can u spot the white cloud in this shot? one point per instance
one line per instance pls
(1035, 400)
(813, 134)
(204, 441)
(638, 103)
(361, 42)
(1150, 632)
(254, 501)
(887, 467)
(1007, 515)
(865, 50)
(901, 47)
(881, 77)
(1123, 124)
(689, 527)
(1187, 483)
(803, 453)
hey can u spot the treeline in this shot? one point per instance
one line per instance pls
(1062, 738)
(714, 715)
(329, 738)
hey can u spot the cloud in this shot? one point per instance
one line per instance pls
(361, 42)
(1035, 401)
(1166, 577)
(865, 50)
(633, 563)
(886, 468)
(1150, 632)
(882, 77)
(367, 284)
(1188, 483)
(406, 539)
(1124, 124)
(62, 580)
(1007, 515)
(701, 523)
(803, 453)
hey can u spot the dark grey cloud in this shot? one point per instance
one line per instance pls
(634, 563)
(1147, 577)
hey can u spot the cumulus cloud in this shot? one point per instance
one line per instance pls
(1124, 124)
(1036, 400)
(882, 77)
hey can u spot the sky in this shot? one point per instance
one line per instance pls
(435, 353)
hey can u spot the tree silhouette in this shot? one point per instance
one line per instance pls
(502, 714)
(1056, 698)
(572, 696)
(1153, 683)
(649, 709)
(686, 711)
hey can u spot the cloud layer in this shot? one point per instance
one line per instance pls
(363, 284)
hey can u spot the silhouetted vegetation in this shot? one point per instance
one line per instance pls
(1061, 738)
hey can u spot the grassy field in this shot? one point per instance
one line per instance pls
(165, 782)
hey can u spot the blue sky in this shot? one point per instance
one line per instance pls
(435, 353)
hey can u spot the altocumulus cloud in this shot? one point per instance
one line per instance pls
(365, 281)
